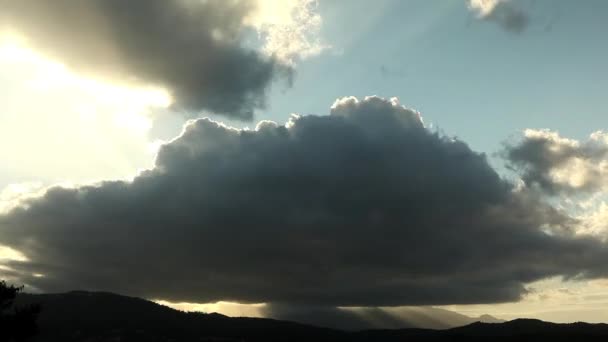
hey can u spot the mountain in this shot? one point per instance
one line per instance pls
(101, 317)
(488, 319)
(377, 318)
(98, 316)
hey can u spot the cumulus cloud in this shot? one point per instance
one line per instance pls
(361, 207)
(560, 165)
(192, 48)
(503, 12)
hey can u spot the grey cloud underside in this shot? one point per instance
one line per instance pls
(165, 43)
(537, 157)
(509, 16)
(362, 207)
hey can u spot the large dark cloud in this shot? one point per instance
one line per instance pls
(193, 48)
(363, 207)
(559, 165)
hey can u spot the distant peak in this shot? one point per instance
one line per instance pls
(490, 319)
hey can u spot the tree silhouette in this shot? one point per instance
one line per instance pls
(16, 324)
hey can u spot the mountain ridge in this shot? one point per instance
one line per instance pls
(101, 316)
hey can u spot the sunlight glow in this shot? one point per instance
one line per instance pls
(554, 299)
(231, 309)
(13, 195)
(128, 102)
(9, 254)
(98, 130)
(593, 220)
(484, 8)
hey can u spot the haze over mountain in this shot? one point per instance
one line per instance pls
(377, 318)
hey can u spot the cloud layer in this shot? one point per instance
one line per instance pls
(362, 207)
(193, 48)
(559, 165)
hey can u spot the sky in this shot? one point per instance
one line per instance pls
(266, 157)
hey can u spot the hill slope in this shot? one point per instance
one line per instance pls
(86, 316)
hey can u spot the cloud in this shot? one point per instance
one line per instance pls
(362, 207)
(595, 221)
(503, 12)
(13, 195)
(192, 48)
(290, 29)
(559, 165)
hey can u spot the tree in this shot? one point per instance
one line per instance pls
(16, 324)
